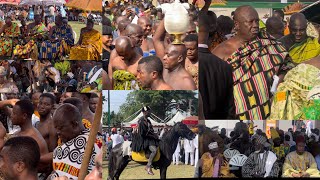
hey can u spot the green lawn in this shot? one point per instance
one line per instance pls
(136, 171)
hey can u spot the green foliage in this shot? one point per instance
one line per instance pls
(159, 101)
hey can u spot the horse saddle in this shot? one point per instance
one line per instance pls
(143, 157)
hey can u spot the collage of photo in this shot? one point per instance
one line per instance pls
(159, 89)
(50, 89)
(211, 88)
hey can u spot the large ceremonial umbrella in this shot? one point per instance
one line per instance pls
(312, 12)
(191, 120)
(12, 2)
(86, 5)
(43, 2)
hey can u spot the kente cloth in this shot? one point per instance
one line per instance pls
(254, 66)
(51, 50)
(90, 47)
(255, 166)
(65, 32)
(292, 93)
(305, 50)
(6, 40)
(194, 72)
(67, 157)
(296, 163)
(64, 67)
(281, 151)
(31, 46)
(124, 80)
(54, 50)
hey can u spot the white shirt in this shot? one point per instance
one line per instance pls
(188, 145)
(195, 141)
(116, 139)
(309, 127)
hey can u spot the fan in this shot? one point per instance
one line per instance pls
(229, 153)
(238, 160)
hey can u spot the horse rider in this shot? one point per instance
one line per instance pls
(146, 138)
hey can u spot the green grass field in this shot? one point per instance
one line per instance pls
(136, 171)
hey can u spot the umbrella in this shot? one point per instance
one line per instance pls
(43, 2)
(12, 2)
(86, 5)
(312, 12)
(192, 120)
(293, 8)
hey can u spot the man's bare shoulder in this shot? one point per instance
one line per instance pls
(224, 49)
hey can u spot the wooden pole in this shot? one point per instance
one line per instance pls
(92, 138)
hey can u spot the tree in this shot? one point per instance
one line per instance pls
(159, 101)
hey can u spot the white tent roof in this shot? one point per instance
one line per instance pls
(136, 119)
(176, 118)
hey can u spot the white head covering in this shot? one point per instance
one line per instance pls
(213, 145)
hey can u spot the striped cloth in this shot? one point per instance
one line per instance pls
(255, 166)
(254, 66)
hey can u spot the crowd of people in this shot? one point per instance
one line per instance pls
(252, 70)
(138, 52)
(28, 33)
(46, 76)
(44, 135)
(294, 153)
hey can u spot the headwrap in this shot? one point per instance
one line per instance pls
(213, 145)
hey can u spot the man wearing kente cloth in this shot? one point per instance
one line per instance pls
(60, 41)
(255, 58)
(300, 163)
(67, 157)
(260, 163)
(123, 69)
(291, 97)
(89, 46)
(300, 46)
(8, 31)
(37, 32)
(146, 139)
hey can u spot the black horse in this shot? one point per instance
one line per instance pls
(167, 145)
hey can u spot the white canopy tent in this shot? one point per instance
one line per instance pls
(176, 118)
(136, 119)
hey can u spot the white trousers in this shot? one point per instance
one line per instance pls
(187, 158)
(175, 158)
(196, 158)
